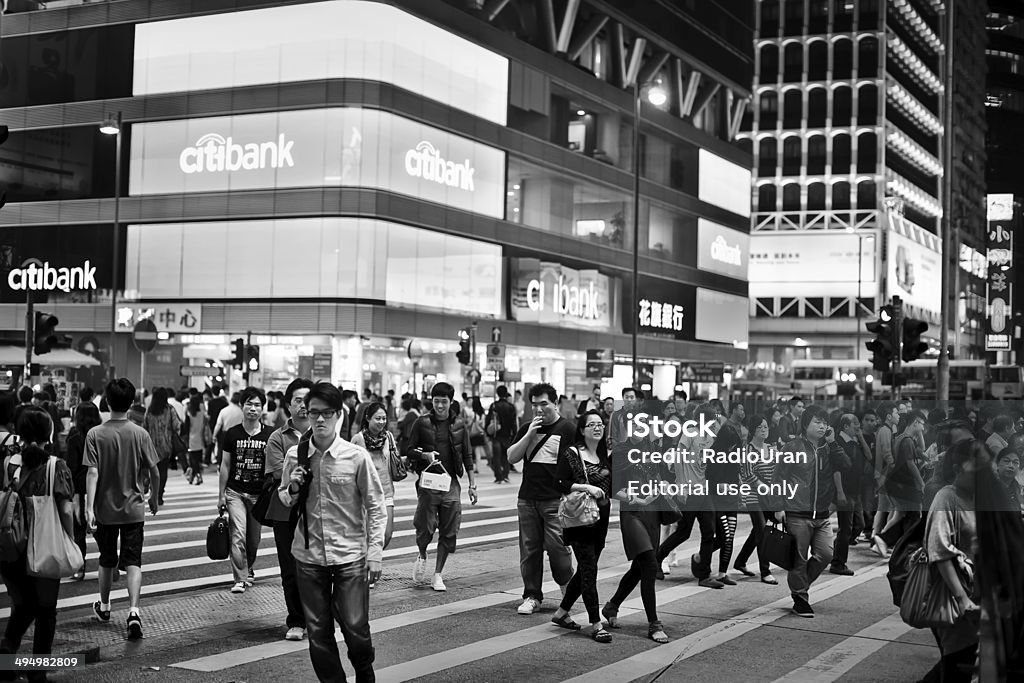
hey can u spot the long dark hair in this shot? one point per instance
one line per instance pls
(478, 407)
(34, 426)
(369, 412)
(158, 404)
(87, 416)
(195, 404)
(602, 443)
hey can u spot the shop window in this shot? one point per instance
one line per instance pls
(817, 63)
(817, 108)
(841, 155)
(867, 196)
(769, 110)
(769, 63)
(842, 106)
(767, 157)
(53, 164)
(816, 195)
(816, 155)
(791, 197)
(791, 156)
(766, 198)
(841, 196)
(842, 65)
(793, 69)
(792, 116)
(867, 154)
(867, 105)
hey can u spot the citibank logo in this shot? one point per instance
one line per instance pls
(424, 161)
(723, 253)
(213, 153)
(46, 278)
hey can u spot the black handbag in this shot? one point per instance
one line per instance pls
(218, 538)
(261, 508)
(778, 547)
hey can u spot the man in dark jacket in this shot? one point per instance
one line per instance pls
(503, 415)
(440, 436)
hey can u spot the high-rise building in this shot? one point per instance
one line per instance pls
(355, 182)
(846, 133)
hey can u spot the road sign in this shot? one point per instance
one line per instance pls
(144, 336)
(496, 357)
(600, 363)
(473, 377)
(196, 371)
(711, 372)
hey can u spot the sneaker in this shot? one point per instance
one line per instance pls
(419, 570)
(438, 583)
(295, 633)
(710, 583)
(695, 564)
(529, 606)
(252, 577)
(802, 608)
(726, 580)
(666, 567)
(100, 614)
(660, 575)
(238, 587)
(841, 571)
(134, 625)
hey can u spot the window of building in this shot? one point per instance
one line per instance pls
(769, 63)
(769, 17)
(842, 19)
(867, 57)
(54, 164)
(842, 106)
(842, 64)
(817, 63)
(816, 155)
(792, 116)
(841, 196)
(867, 105)
(868, 14)
(867, 154)
(867, 196)
(767, 157)
(794, 18)
(791, 155)
(816, 197)
(769, 110)
(841, 154)
(766, 198)
(817, 108)
(818, 22)
(794, 63)
(791, 197)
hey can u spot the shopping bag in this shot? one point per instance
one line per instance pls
(439, 480)
(51, 552)
(578, 508)
(778, 547)
(218, 538)
(927, 601)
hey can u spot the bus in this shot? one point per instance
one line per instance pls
(830, 377)
(1006, 381)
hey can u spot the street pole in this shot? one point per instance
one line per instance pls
(636, 227)
(856, 299)
(897, 319)
(942, 369)
(30, 334)
(115, 265)
(245, 358)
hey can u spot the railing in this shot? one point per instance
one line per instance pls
(15, 6)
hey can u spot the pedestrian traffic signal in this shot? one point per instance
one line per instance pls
(238, 360)
(252, 358)
(913, 347)
(46, 337)
(883, 346)
(463, 354)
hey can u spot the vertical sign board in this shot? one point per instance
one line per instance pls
(999, 288)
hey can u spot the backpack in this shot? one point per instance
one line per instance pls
(900, 561)
(13, 531)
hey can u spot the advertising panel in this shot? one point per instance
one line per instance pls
(723, 183)
(722, 250)
(999, 289)
(342, 147)
(665, 309)
(553, 294)
(722, 317)
(812, 264)
(913, 269)
(316, 41)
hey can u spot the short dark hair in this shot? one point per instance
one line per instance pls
(885, 409)
(915, 415)
(34, 427)
(295, 385)
(501, 391)
(681, 394)
(347, 394)
(86, 393)
(326, 392)
(443, 390)
(809, 414)
(120, 394)
(626, 390)
(1006, 453)
(733, 407)
(936, 417)
(864, 413)
(1002, 423)
(754, 420)
(794, 400)
(250, 393)
(25, 394)
(544, 389)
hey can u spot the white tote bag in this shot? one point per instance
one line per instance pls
(439, 482)
(52, 554)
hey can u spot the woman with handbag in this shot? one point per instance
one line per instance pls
(586, 470)
(950, 542)
(197, 432)
(756, 475)
(379, 442)
(34, 598)
(87, 416)
(163, 425)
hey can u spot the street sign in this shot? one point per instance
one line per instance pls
(600, 363)
(711, 372)
(496, 357)
(473, 377)
(144, 336)
(195, 371)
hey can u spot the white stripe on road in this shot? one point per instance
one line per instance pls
(659, 658)
(840, 659)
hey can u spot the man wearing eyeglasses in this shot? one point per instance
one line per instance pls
(339, 542)
(242, 471)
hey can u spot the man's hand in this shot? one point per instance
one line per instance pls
(374, 568)
(842, 500)
(90, 520)
(473, 497)
(298, 477)
(536, 423)
(154, 504)
(221, 503)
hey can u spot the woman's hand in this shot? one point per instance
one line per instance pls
(596, 492)
(967, 605)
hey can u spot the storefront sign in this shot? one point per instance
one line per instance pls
(712, 372)
(999, 290)
(600, 363)
(47, 278)
(973, 261)
(665, 308)
(722, 250)
(549, 292)
(815, 263)
(340, 39)
(322, 362)
(176, 318)
(337, 147)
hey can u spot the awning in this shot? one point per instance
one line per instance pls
(68, 358)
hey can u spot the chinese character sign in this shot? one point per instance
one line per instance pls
(174, 318)
(666, 308)
(999, 327)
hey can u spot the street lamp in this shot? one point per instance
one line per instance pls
(657, 96)
(112, 125)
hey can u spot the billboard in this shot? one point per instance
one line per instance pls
(664, 308)
(816, 263)
(914, 268)
(349, 39)
(722, 250)
(999, 324)
(336, 147)
(722, 317)
(723, 183)
(550, 293)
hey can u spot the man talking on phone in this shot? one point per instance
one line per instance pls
(339, 539)
(539, 445)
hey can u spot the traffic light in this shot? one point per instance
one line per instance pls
(464, 354)
(883, 346)
(252, 358)
(46, 338)
(238, 359)
(913, 347)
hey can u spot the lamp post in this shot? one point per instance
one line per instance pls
(856, 298)
(657, 96)
(942, 366)
(113, 125)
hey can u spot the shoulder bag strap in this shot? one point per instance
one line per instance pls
(303, 453)
(540, 444)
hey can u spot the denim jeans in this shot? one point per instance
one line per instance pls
(499, 457)
(337, 593)
(245, 532)
(284, 533)
(540, 530)
(813, 552)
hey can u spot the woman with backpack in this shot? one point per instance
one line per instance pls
(33, 598)
(379, 442)
(475, 418)
(87, 416)
(163, 425)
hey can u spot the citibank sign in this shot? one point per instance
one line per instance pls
(576, 301)
(550, 293)
(424, 161)
(214, 153)
(45, 278)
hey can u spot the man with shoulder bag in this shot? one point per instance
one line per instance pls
(501, 425)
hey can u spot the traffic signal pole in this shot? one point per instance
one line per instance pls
(897, 310)
(30, 334)
(245, 359)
